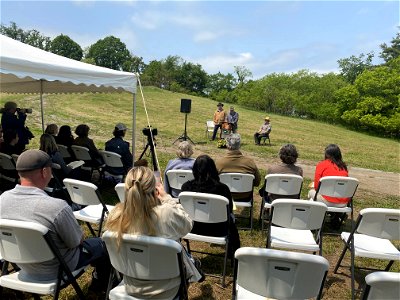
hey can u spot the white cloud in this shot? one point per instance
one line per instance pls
(223, 63)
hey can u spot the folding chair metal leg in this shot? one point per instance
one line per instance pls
(225, 263)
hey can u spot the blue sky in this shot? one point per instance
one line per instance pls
(264, 36)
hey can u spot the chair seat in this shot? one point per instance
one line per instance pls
(208, 239)
(346, 209)
(91, 213)
(293, 239)
(242, 293)
(243, 204)
(23, 282)
(119, 293)
(373, 247)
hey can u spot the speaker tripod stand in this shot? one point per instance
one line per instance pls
(184, 136)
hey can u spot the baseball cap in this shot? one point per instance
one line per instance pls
(121, 126)
(34, 159)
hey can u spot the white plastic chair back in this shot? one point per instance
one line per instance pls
(279, 274)
(383, 286)
(205, 208)
(298, 214)
(64, 151)
(238, 182)
(6, 162)
(144, 257)
(82, 192)
(283, 184)
(23, 242)
(111, 159)
(338, 186)
(209, 127)
(81, 153)
(120, 189)
(380, 222)
(176, 178)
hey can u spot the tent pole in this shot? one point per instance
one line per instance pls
(41, 103)
(133, 128)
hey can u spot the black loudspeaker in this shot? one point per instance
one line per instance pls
(186, 105)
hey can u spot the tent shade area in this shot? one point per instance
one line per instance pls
(26, 69)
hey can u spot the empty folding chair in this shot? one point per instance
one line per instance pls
(372, 237)
(145, 258)
(241, 183)
(87, 194)
(176, 178)
(279, 184)
(266, 273)
(382, 286)
(208, 209)
(296, 224)
(27, 242)
(209, 128)
(120, 189)
(65, 153)
(82, 153)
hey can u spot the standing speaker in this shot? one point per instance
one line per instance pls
(186, 105)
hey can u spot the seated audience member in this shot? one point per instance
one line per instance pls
(118, 145)
(83, 140)
(235, 162)
(148, 210)
(10, 142)
(65, 137)
(333, 165)
(183, 162)
(264, 131)
(52, 129)
(288, 155)
(29, 202)
(206, 180)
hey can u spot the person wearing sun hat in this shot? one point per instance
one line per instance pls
(29, 202)
(264, 131)
(118, 145)
(219, 118)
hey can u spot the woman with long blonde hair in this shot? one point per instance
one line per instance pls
(149, 210)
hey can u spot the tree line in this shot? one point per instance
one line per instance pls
(362, 96)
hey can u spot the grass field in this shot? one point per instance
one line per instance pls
(102, 111)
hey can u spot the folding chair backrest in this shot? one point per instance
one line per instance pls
(298, 214)
(82, 192)
(380, 222)
(280, 274)
(176, 178)
(338, 186)
(81, 153)
(111, 159)
(64, 151)
(23, 242)
(238, 182)
(120, 189)
(205, 208)
(6, 162)
(144, 257)
(210, 125)
(283, 184)
(382, 286)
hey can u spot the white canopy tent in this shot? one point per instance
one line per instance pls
(26, 69)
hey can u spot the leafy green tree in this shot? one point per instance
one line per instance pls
(109, 52)
(14, 32)
(353, 66)
(243, 74)
(65, 46)
(192, 78)
(135, 64)
(30, 37)
(392, 51)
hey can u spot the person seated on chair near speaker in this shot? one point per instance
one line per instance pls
(233, 119)
(149, 210)
(183, 162)
(235, 162)
(264, 131)
(29, 202)
(219, 118)
(121, 147)
(83, 140)
(52, 129)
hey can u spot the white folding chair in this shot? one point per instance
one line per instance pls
(240, 183)
(340, 187)
(145, 258)
(207, 208)
(382, 286)
(176, 178)
(112, 160)
(82, 153)
(279, 184)
(265, 273)
(209, 128)
(372, 237)
(87, 194)
(120, 189)
(7, 168)
(27, 242)
(64, 152)
(296, 224)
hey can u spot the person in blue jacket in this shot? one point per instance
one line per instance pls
(118, 145)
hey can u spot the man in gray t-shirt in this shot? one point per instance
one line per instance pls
(29, 202)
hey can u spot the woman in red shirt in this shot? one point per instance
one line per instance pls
(333, 165)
